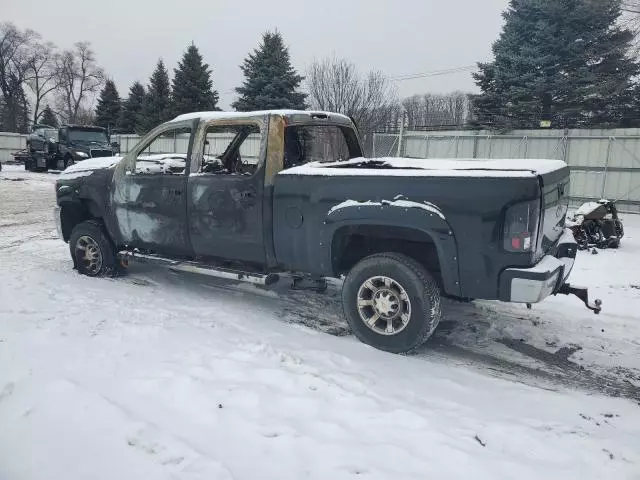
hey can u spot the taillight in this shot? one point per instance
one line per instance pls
(521, 226)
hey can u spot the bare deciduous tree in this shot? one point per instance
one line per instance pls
(336, 85)
(42, 75)
(433, 110)
(79, 79)
(15, 56)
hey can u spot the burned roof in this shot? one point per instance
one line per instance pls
(290, 114)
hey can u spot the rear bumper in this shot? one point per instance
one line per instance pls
(534, 284)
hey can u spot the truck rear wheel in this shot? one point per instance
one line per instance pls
(92, 251)
(391, 302)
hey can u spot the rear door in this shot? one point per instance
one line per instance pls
(555, 202)
(150, 195)
(225, 191)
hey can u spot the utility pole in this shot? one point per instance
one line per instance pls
(399, 153)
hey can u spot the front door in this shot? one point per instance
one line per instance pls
(225, 192)
(150, 194)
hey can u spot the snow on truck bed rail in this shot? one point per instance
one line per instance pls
(411, 167)
(398, 201)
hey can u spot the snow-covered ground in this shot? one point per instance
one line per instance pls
(166, 376)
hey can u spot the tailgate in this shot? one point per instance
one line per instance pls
(555, 201)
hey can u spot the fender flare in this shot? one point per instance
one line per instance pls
(421, 217)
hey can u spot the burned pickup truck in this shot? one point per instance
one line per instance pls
(257, 196)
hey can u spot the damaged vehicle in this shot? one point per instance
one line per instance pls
(261, 196)
(597, 224)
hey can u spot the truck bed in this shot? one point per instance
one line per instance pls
(470, 196)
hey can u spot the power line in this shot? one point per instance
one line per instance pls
(433, 73)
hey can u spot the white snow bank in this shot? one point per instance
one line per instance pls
(402, 167)
(397, 202)
(164, 376)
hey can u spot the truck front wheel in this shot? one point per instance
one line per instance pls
(92, 251)
(391, 302)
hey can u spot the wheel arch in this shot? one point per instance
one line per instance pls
(361, 230)
(74, 211)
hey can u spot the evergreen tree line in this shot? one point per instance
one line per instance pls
(270, 82)
(61, 83)
(568, 62)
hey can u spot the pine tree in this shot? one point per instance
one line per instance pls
(565, 58)
(192, 85)
(109, 106)
(156, 108)
(132, 109)
(48, 117)
(270, 80)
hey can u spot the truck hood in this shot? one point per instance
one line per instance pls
(413, 167)
(86, 167)
(152, 163)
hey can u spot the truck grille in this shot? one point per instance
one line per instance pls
(100, 153)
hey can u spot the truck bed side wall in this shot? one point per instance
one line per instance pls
(473, 208)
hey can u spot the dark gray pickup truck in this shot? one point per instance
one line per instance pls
(255, 196)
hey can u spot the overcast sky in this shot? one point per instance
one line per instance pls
(398, 37)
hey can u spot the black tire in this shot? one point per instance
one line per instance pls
(422, 291)
(68, 161)
(93, 230)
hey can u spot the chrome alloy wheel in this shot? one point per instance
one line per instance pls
(384, 306)
(88, 252)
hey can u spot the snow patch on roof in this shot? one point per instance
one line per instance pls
(257, 113)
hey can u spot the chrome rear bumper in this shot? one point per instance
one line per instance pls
(534, 284)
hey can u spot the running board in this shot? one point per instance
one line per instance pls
(200, 268)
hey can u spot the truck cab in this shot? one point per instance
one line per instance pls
(79, 142)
